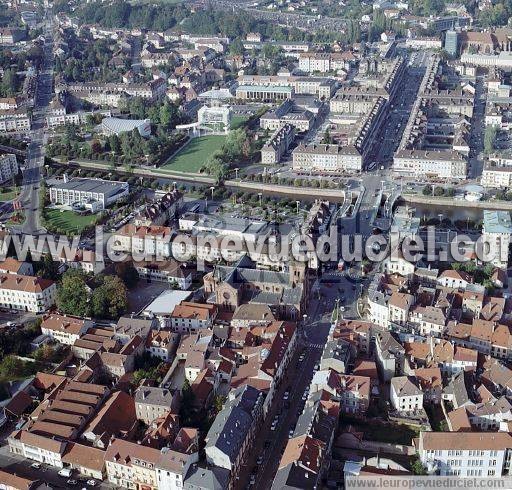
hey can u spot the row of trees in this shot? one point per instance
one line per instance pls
(439, 191)
(157, 17)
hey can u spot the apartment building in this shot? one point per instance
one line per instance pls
(352, 103)
(278, 144)
(14, 121)
(152, 403)
(480, 454)
(327, 158)
(10, 103)
(131, 466)
(162, 343)
(143, 241)
(152, 90)
(406, 395)
(168, 271)
(8, 167)
(496, 177)
(11, 35)
(64, 329)
(322, 62)
(353, 392)
(234, 429)
(287, 113)
(437, 164)
(190, 317)
(27, 293)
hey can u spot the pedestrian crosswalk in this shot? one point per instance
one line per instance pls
(317, 346)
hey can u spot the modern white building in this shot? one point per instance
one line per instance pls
(497, 177)
(480, 454)
(438, 164)
(97, 193)
(115, 125)
(215, 115)
(8, 167)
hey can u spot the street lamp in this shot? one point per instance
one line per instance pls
(236, 173)
(298, 203)
(212, 188)
(174, 185)
(259, 195)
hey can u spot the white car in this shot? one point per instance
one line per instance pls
(92, 483)
(36, 466)
(286, 395)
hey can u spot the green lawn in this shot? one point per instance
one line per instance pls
(238, 121)
(68, 221)
(6, 193)
(191, 158)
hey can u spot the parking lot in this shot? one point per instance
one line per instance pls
(45, 473)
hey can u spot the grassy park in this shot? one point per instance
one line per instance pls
(68, 222)
(193, 155)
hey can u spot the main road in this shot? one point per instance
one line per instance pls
(32, 175)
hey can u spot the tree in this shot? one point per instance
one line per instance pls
(73, 293)
(127, 273)
(327, 138)
(167, 114)
(188, 398)
(427, 190)
(114, 143)
(110, 300)
(45, 353)
(10, 83)
(439, 191)
(218, 403)
(12, 367)
(417, 467)
(96, 146)
(490, 138)
(236, 48)
(47, 268)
